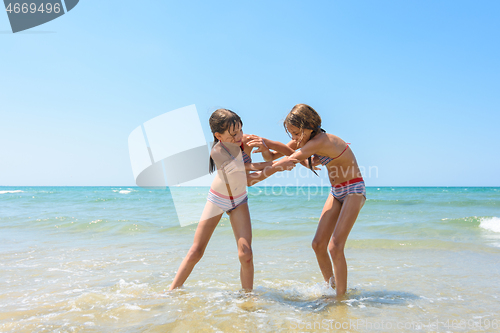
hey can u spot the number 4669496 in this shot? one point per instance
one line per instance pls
(26, 8)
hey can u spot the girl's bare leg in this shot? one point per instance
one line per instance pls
(348, 215)
(242, 228)
(326, 225)
(202, 235)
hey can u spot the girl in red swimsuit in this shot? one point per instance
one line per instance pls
(348, 192)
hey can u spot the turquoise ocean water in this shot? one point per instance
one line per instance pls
(99, 259)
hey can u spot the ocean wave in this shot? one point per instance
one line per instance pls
(16, 191)
(490, 223)
(127, 191)
(483, 222)
(469, 221)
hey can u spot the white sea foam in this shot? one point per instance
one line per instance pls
(124, 192)
(16, 191)
(294, 289)
(490, 223)
(133, 307)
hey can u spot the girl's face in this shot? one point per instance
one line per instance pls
(300, 136)
(233, 135)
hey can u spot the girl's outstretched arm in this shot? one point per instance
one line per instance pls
(265, 146)
(309, 149)
(281, 165)
(257, 166)
(279, 148)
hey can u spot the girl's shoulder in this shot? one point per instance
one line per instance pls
(329, 139)
(326, 144)
(216, 151)
(322, 138)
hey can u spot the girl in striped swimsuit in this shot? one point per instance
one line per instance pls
(230, 157)
(312, 144)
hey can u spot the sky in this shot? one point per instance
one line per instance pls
(413, 85)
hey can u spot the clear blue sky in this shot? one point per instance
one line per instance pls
(413, 85)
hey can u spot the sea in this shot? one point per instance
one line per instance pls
(101, 259)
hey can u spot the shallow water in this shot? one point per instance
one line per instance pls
(99, 259)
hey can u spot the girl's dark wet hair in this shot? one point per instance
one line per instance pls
(304, 117)
(220, 121)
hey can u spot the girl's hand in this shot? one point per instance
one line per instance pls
(257, 141)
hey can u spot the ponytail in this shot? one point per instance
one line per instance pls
(211, 167)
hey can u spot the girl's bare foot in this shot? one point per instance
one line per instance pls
(332, 282)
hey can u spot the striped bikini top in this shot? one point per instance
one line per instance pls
(246, 158)
(325, 159)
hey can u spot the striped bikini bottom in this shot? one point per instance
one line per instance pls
(342, 190)
(226, 203)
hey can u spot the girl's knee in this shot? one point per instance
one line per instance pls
(245, 255)
(336, 249)
(195, 253)
(319, 246)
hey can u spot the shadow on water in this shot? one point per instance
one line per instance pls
(304, 299)
(354, 298)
